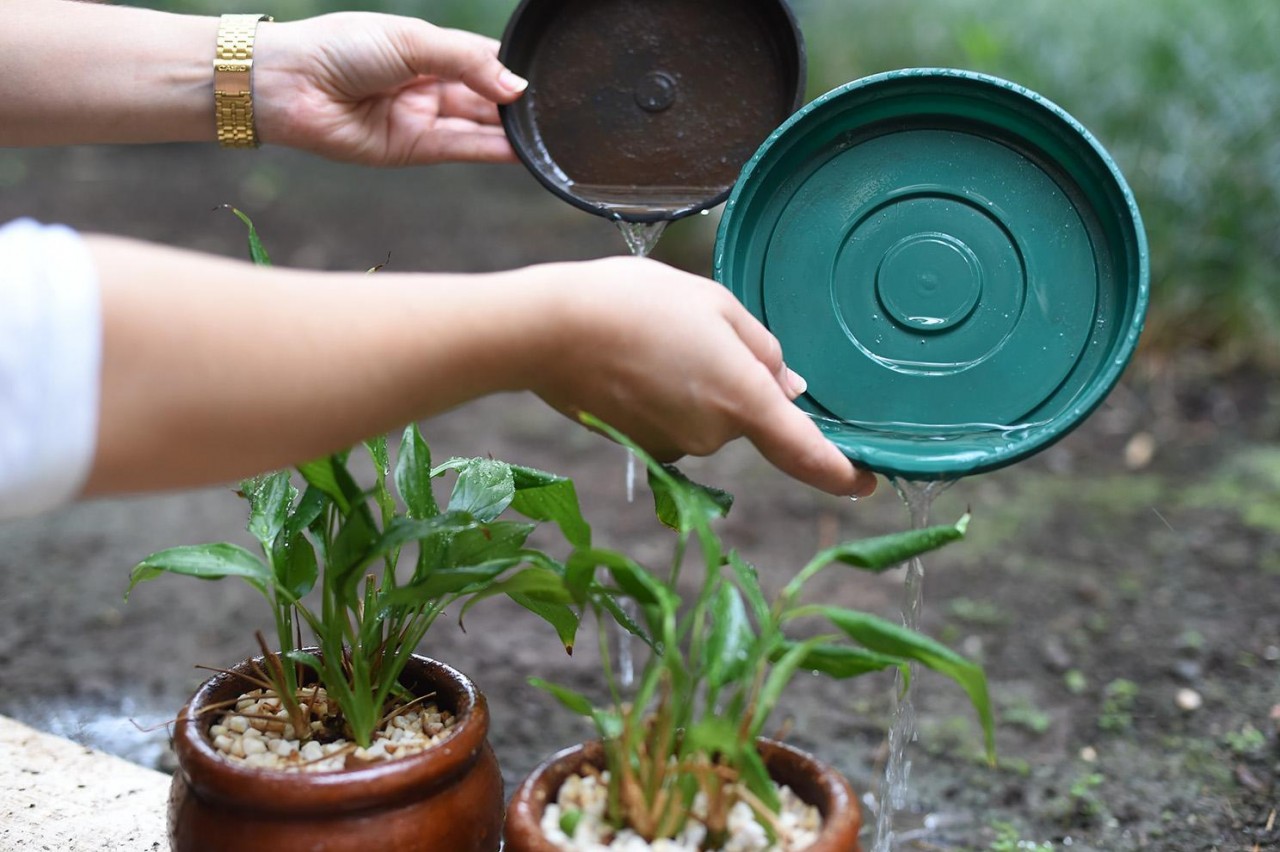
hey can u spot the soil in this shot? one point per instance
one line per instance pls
(1137, 559)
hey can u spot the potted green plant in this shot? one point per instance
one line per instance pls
(683, 758)
(349, 740)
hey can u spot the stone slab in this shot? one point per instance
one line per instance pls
(58, 795)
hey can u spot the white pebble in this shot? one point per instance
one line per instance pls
(1189, 700)
(312, 751)
(239, 724)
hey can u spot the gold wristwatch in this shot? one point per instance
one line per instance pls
(233, 80)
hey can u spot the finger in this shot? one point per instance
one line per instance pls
(794, 444)
(767, 349)
(462, 56)
(457, 101)
(458, 145)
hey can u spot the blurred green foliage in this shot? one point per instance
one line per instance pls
(1185, 95)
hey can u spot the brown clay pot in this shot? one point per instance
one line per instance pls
(445, 799)
(814, 782)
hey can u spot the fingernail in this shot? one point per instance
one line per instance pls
(868, 487)
(796, 381)
(512, 81)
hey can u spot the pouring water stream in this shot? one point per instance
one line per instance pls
(919, 497)
(641, 238)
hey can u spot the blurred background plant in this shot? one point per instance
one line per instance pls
(1184, 94)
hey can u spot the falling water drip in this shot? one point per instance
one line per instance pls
(631, 477)
(919, 497)
(641, 238)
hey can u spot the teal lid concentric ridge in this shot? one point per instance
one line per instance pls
(955, 264)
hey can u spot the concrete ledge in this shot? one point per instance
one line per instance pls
(56, 794)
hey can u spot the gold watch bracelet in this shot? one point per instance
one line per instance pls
(233, 80)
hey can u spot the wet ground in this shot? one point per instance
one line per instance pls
(1123, 588)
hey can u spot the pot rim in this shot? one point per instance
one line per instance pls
(212, 776)
(827, 790)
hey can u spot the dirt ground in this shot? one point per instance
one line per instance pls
(1123, 587)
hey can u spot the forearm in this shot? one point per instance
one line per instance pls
(215, 369)
(79, 72)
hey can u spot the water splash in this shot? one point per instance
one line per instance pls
(919, 497)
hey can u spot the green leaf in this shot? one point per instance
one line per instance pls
(270, 497)
(884, 552)
(880, 553)
(377, 448)
(446, 581)
(730, 638)
(841, 661)
(329, 475)
(561, 616)
(632, 577)
(539, 583)
(402, 531)
(576, 702)
(609, 603)
(886, 637)
(749, 583)
(569, 821)
(677, 499)
(681, 503)
(756, 776)
(205, 562)
(413, 475)
(297, 571)
(257, 253)
(713, 735)
(484, 543)
(547, 497)
(378, 452)
(485, 488)
(304, 514)
(352, 550)
(780, 675)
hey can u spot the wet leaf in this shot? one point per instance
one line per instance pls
(841, 661)
(205, 562)
(546, 497)
(484, 488)
(730, 638)
(413, 475)
(298, 570)
(885, 637)
(270, 497)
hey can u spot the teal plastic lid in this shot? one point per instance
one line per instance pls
(954, 263)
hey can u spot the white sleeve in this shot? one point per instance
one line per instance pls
(50, 366)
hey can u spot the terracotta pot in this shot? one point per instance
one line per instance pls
(445, 799)
(814, 782)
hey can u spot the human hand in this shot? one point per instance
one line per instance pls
(381, 90)
(676, 363)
